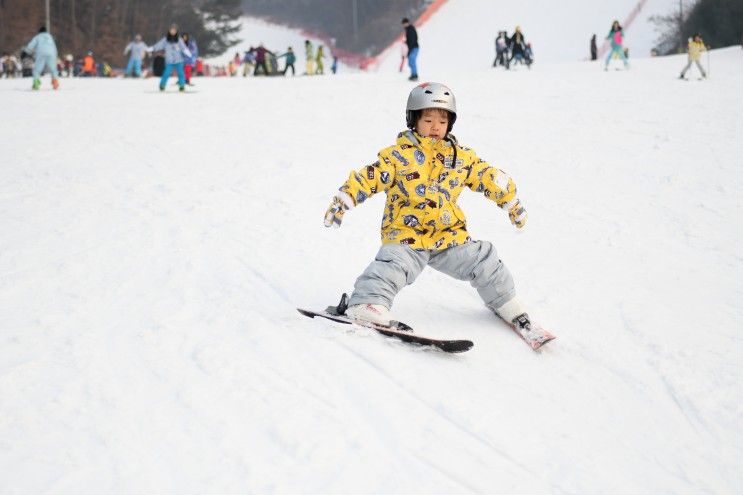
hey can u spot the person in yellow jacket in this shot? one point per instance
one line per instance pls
(423, 175)
(696, 47)
(319, 60)
(310, 58)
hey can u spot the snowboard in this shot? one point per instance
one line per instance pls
(396, 330)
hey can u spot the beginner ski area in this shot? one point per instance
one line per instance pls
(154, 248)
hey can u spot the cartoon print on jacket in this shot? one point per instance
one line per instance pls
(436, 171)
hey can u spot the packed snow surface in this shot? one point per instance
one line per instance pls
(154, 248)
(461, 36)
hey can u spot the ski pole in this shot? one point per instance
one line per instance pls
(708, 66)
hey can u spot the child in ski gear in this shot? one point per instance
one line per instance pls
(501, 50)
(88, 65)
(616, 35)
(137, 50)
(175, 50)
(248, 62)
(411, 40)
(290, 59)
(45, 52)
(319, 56)
(696, 47)
(528, 55)
(423, 175)
(189, 61)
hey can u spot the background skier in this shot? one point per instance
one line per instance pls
(616, 35)
(695, 49)
(290, 59)
(517, 45)
(175, 50)
(594, 48)
(411, 40)
(260, 59)
(45, 53)
(189, 61)
(137, 50)
(501, 50)
(309, 58)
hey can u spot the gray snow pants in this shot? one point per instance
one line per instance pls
(688, 66)
(397, 265)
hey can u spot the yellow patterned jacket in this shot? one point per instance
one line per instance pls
(423, 178)
(695, 49)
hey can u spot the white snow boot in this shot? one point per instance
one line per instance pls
(513, 313)
(374, 313)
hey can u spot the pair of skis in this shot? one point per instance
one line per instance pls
(534, 335)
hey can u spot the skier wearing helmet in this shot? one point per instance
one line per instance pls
(423, 175)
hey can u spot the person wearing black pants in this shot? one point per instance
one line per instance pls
(260, 59)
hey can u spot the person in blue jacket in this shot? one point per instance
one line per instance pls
(175, 50)
(136, 50)
(45, 52)
(290, 59)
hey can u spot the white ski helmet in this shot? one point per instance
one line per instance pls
(430, 95)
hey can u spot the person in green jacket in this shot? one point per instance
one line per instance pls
(318, 60)
(616, 35)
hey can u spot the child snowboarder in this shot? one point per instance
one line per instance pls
(616, 35)
(422, 176)
(175, 49)
(45, 53)
(696, 47)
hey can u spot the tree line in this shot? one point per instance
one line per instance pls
(720, 22)
(106, 26)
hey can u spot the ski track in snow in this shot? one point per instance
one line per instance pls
(155, 248)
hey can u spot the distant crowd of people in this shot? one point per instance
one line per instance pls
(174, 53)
(178, 53)
(513, 50)
(262, 61)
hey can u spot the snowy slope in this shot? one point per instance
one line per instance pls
(462, 33)
(276, 38)
(154, 247)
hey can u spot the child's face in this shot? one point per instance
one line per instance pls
(433, 123)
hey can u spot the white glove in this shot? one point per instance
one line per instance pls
(341, 203)
(516, 213)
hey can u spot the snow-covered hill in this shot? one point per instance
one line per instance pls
(154, 248)
(461, 35)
